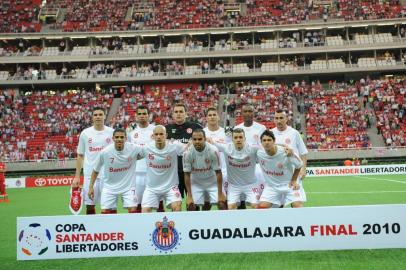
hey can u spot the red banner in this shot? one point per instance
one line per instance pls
(50, 181)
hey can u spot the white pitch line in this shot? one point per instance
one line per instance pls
(361, 178)
(355, 192)
(382, 179)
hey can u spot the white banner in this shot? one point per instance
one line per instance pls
(313, 228)
(356, 170)
(15, 182)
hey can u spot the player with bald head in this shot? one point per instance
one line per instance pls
(162, 172)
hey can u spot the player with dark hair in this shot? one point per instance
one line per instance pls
(218, 135)
(141, 135)
(286, 135)
(253, 131)
(280, 172)
(181, 130)
(240, 161)
(203, 178)
(117, 162)
(92, 141)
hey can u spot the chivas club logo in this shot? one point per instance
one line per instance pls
(279, 165)
(108, 140)
(287, 141)
(207, 161)
(189, 131)
(165, 237)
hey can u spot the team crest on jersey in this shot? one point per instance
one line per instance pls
(174, 130)
(165, 237)
(279, 165)
(135, 135)
(151, 156)
(246, 158)
(287, 141)
(256, 137)
(108, 140)
(90, 140)
(168, 157)
(189, 131)
(129, 159)
(207, 161)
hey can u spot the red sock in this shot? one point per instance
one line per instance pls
(90, 211)
(109, 211)
(161, 207)
(135, 211)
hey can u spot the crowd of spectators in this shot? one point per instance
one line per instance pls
(45, 124)
(266, 98)
(159, 98)
(335, 117)
(19, 16)
(102, 15)
(387, 98)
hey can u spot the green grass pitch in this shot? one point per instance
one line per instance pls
(321, 191)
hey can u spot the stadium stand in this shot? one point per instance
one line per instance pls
(81, 15)
(266, 98)
(334, 117)
(41, 125)
(20, 16)
(159, 99)
(387, 97)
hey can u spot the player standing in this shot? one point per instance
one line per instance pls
(240, 161)
(92, 141)
(117, 162)
(217, 135)
(286, 135)
(162, 174)
(141, 135)
(280, 172)
(253, 131)
(181, 130)
(3, 193)
(203, 178)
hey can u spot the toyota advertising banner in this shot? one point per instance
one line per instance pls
(57, 180)
(312, 228)
(49, 181)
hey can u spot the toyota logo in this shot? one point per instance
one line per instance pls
(40, 182)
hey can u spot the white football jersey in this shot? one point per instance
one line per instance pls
(162, 165)
(278, 169)
(218, 136)
(253, 133)
(91, 143)
(202, 165)
(291, 137)
(240, 164)
(118, 167)
(142, 136)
